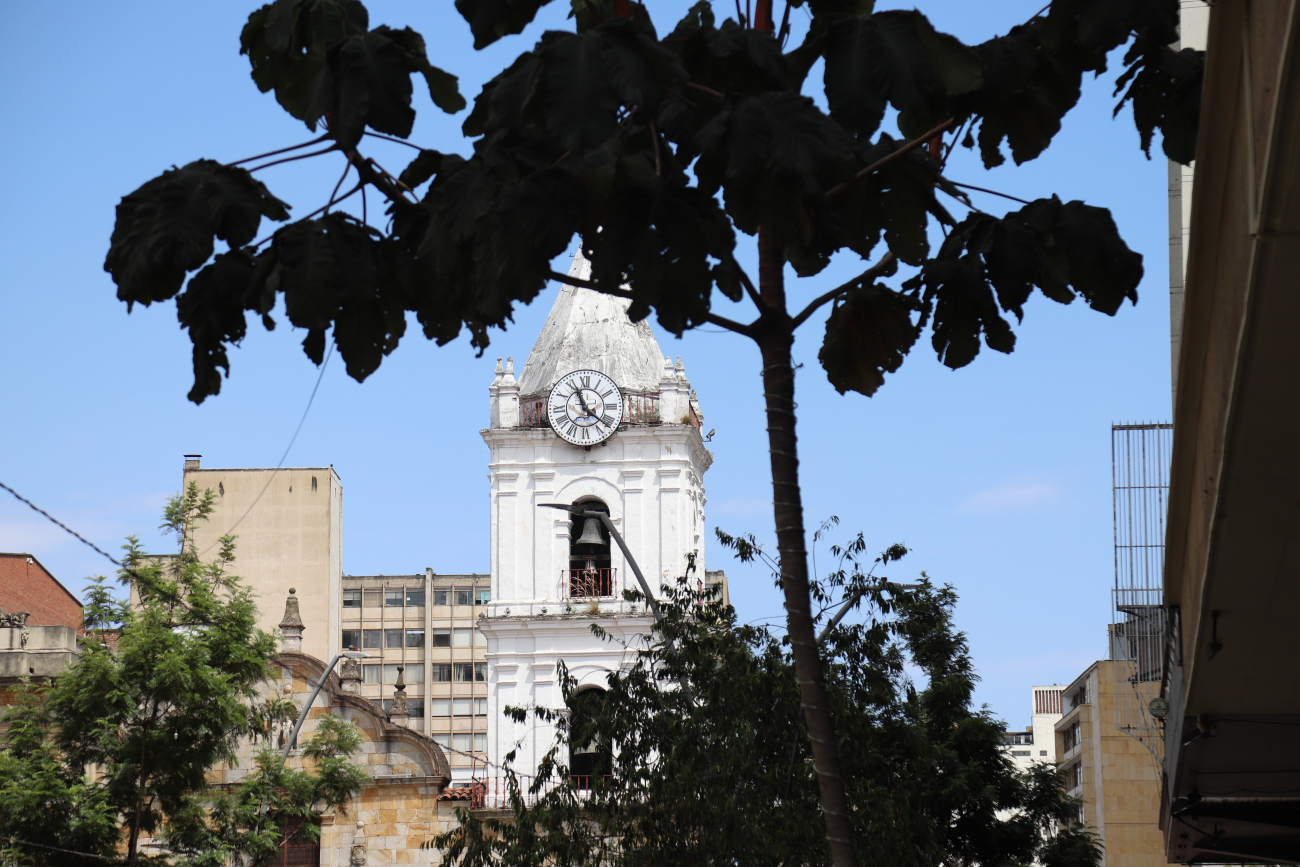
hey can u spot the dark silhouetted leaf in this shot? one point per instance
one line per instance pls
(489, 20)
(166, 227)
(1165, 87)
(425, 165)
(867, 336)
(212, 309)
(286, 43)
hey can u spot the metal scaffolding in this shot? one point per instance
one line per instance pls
(1139, 622)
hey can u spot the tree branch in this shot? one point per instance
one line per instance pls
(886, 262)
(896, 155)
(990, 192)
(712, 318)
(332, 147)
(305, 144)
(749, 288)
(710, 91)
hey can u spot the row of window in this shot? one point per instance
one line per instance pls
(441, 707)
(414, 598)
(440, 672)
(465, 743)
(379, 638)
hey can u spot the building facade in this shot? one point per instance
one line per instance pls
(1037, 743)
(554, 575)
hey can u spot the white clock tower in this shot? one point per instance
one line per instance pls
(554, 575)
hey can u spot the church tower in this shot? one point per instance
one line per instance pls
(635, 452)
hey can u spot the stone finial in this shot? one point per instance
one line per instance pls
(351, 677)
(400, 712)
(500, 370)
(510, 370)
(680, 368)
(291, 626)
(358, 855)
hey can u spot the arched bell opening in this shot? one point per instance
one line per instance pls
(591, 573)
(590, 757)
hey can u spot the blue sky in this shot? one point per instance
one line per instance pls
(997, 475)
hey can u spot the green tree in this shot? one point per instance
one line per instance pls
(165, 686)
(661, 152)
(721, 773)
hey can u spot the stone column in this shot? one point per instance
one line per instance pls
(291, 626)
(351, 677)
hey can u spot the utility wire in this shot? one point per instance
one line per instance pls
(62, 525)
(284, 456)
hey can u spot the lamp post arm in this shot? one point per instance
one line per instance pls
(302, 717)
(631, 561)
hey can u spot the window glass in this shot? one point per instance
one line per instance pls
(387, 704)
(351, 638)
(480, 672)
(415, 706)
(441, 740)
(414, 673)
(374, 598)
(351, 598)
(370, 673)
(393, 598)
(463, 637)
(480, 707)
(464, 672)
(373, 638)
(392, 638)
(464, 743)
(390, 674)
(464, 596)
(440, 597)
(462, 706)
(480, 743)
(482, 596)
(415, 638)
(441, 638)
(415, 598)
(441, 672)
(440, 707)
(480, 640)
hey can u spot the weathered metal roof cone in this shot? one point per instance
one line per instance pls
(590, 330)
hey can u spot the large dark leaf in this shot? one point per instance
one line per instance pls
(867, 336)
(1165, 88)
(489, 20)
(286, 43)
(166, 227)
(988, 266)
(212, 309)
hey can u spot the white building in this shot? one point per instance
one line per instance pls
(1037, 743)
(547, 588)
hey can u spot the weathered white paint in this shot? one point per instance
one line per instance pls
(649, 476)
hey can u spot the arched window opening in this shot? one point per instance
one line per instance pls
(590, 757)
(591, 573)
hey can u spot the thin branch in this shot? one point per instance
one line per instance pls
(955, 138)
(885, 263)
(364, 218)
(347, 167)
(749, 288)
(564, 156)
(712, 318)
(305, 144)
(390, 138)
(710, 91)
(896, 155)
(332, 147)
(671, 92)
(990, 192)
(654, 138)
(331, 203)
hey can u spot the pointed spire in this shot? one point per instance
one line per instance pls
(291, 626)
(589, 330)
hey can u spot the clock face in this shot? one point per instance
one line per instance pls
(585, 407)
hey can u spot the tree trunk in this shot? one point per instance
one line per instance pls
(775, 339)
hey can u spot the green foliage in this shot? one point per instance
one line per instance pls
(164, 688)
(722, 773)
(657, 151)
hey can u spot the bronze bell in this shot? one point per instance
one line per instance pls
(590, 533)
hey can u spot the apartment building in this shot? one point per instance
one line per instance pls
(426, 625)
(1037, 743)
(1112, 772)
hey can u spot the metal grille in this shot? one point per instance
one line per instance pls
(638, 408)
(1139, 623)
(589, 583)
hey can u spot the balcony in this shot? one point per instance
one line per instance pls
(638, 409)
(589, 583)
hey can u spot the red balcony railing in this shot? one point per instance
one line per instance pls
(589, 583)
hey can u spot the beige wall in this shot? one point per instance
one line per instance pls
(1121, 781)
(288, 526)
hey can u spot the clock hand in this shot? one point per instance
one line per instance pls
(587, 413)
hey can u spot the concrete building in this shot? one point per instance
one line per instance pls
(1232, 782)
(428, 624)
(1112, 772)
(289, 529)
(1037, 743)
